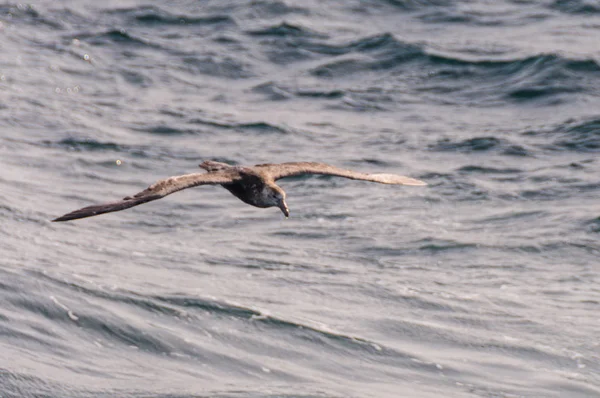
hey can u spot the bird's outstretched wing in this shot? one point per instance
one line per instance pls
(282, 170)
(156, 191)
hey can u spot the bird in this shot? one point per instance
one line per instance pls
(254, 185)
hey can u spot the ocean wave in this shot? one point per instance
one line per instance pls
(411, 5)
(280, 92)
(585, 7)
(455, 186)
(293, 43)
(275, 8)
(101, 314)
(152, 15)
(20, 384)
(285, 30)
(82, 145)
(166, 130)
(435, 246)
(114, 36)
(476, 169)
(571, 135)
(480, 144)
(480, 78)
(28, 14)
(258, 127)
(136, 78)
(593, 225)
(73, 144)
(543, 77)
(371, 53)
(218, 65)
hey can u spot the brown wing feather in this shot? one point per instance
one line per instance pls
(283, 170)
(156, 191)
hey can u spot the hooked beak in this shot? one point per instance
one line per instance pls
(284, 208)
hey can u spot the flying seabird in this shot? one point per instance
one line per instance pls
(253, 185)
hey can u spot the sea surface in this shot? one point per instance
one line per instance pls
(485, 283)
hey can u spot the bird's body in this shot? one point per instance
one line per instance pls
(252, 185)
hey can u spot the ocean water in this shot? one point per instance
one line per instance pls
(485, 283)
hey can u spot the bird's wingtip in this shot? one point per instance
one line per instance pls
(385, 178)
(410, 181)
(419, 183)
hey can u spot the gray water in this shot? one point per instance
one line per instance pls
(482, 284)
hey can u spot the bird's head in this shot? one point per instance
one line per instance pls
(276, 197)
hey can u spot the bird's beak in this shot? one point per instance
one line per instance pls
(284, 208)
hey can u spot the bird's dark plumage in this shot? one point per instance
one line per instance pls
(253, 185)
